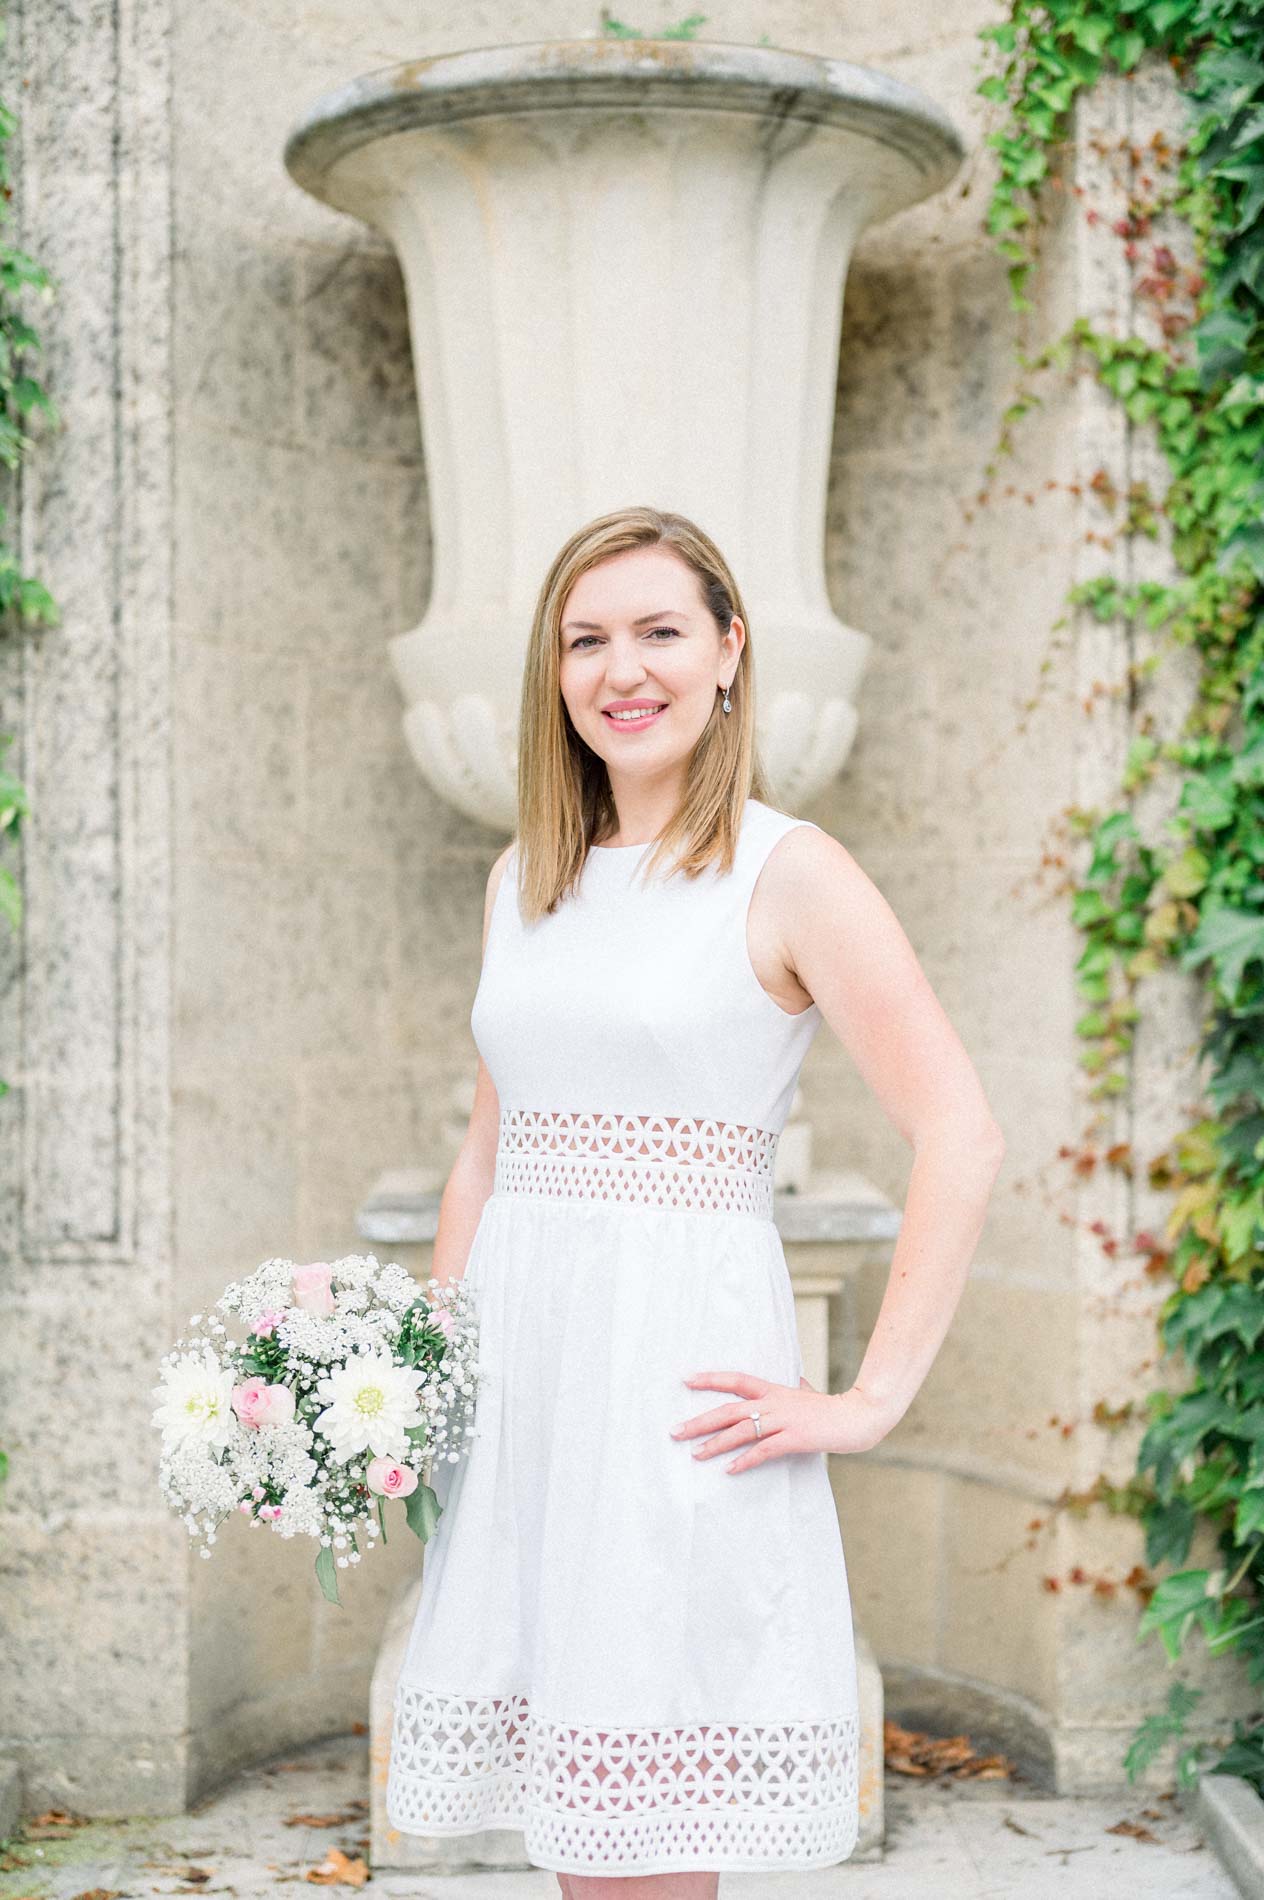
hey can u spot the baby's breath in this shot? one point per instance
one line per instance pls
(304, 1473)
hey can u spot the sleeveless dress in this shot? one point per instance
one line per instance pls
(642, 1661)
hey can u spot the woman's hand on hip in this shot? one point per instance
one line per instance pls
(791, 1418)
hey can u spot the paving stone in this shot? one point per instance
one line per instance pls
(957, 1841)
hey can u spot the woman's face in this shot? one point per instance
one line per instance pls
(637, 637)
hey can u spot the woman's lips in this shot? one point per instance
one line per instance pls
(638, 724)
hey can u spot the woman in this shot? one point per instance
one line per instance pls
(634, 1640)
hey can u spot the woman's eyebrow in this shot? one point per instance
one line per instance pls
(595, 626)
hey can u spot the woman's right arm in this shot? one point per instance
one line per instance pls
(474, 1170)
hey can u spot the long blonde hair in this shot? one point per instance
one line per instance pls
(564, 796)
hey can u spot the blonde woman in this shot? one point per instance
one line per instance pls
(634, 1640)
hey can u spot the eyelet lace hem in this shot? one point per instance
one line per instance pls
(625, 1800)
(680, 1162)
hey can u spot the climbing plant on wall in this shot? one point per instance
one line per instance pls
(24, 600)
(1193, 895)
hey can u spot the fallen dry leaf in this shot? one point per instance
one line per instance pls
(348, 1815)
(337, 1870)
(912, 1752)
(1134, 1829)
(100, 1893)
(53, 1824)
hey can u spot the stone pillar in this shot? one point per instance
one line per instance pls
(93, 1568)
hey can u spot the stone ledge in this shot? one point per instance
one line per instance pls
(1233, 1816)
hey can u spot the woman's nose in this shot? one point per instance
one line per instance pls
(623, 676)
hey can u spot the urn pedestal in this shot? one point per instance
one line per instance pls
(830, 1226)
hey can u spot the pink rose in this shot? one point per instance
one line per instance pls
(312, 1289)
(443, 1319)
(267, 1323)
(390, 1480)
(258, 1403)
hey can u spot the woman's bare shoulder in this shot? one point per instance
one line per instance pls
(810, 890)
(807, 858)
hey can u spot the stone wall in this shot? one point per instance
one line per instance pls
(252, 931)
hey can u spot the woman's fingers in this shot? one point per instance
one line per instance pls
(730, 1427)
(759, 1452)
(744, 1382)
(740, 1434)
(709, 1421)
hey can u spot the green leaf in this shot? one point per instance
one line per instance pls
(1186, 875)
(1090, 31)
(1166, 13)
(327, 1574)
(1207, 802)
(424, 1511)
(1248, 1520)
(1169, 1532)
(1177, 1603)
(1240, 1223)
(1156, 1730)
(1231, 939)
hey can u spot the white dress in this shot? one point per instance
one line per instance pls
(642, 1661)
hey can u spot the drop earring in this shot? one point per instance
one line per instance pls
(726, 704)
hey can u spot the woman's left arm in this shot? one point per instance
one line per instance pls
(843, 941)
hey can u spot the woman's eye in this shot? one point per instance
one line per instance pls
(673, 633)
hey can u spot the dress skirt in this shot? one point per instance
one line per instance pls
(642, 1661)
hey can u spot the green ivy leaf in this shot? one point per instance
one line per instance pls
(1178, 1602)
(1169, 1531)
(1231, 939)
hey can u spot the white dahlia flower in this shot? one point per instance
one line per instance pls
(369, 1403)
(196, 1401)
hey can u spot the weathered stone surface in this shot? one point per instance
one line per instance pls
(996, 1623)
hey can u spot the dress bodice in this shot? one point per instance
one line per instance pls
(637, 999)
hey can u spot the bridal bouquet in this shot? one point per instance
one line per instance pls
(346, 1385)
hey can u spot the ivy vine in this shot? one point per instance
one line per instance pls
(1193, 895)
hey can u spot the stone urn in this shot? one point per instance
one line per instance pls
(624, 263)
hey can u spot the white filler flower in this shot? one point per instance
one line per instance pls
(196, 1394)
(369, 1403)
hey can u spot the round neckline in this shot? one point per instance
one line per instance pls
(649, 841)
